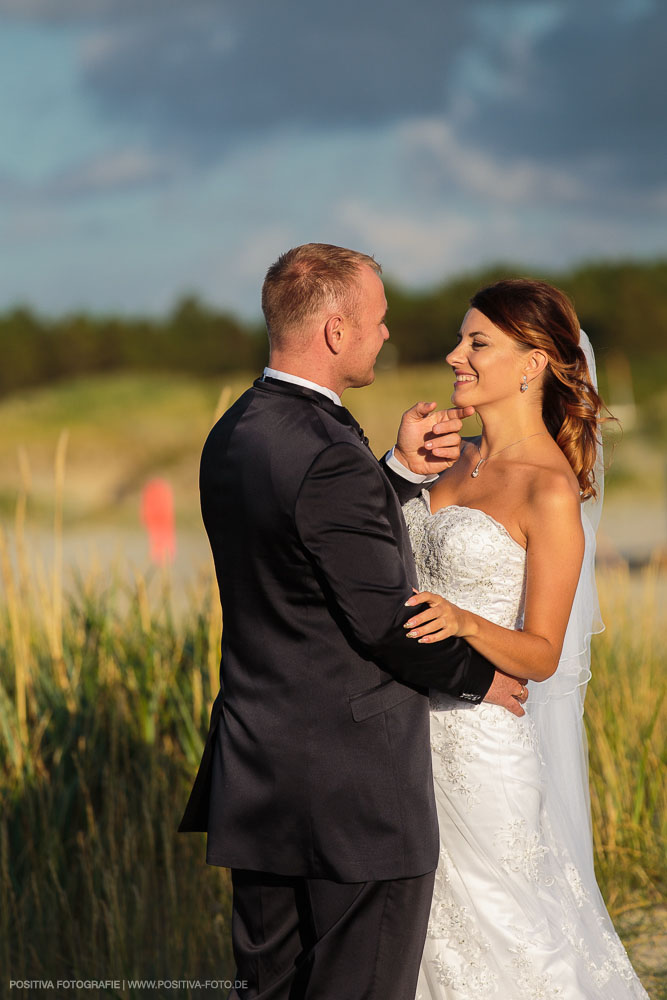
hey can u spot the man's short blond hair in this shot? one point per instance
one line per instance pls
(303, 281)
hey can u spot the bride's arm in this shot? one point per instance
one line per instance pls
(553, 561)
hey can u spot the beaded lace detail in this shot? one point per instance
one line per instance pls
(462, 553)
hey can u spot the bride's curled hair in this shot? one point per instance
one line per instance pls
(537, 315)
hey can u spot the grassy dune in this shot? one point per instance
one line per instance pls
(124, 428)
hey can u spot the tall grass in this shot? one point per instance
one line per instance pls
(102, 715)
(104, 699)
(627, 724)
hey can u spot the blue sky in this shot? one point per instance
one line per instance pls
(155, 147)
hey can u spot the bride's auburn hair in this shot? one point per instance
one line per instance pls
(541, 317)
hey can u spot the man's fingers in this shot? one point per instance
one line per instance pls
(504, 691)
(447, 426)
(422, 409)
(448, 440)
(460, 412)
(518, 698)
(451, 420)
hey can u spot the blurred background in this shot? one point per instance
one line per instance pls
(155, 158)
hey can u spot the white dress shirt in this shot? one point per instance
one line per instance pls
(297, 380)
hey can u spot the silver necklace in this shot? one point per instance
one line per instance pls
(475, 472)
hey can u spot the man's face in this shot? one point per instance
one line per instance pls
(366, 330)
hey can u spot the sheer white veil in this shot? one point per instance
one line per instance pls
(557, 704)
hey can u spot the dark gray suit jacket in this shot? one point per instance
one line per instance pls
(317, 761)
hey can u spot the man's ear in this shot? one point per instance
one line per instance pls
(334, 332)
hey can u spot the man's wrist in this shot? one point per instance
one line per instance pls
(400, 467)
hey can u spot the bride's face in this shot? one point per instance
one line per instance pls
(487, 363)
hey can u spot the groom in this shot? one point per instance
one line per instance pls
(315, 785)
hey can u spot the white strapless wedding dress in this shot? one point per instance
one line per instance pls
(513, 917)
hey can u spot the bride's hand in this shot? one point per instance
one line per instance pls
(441, 620)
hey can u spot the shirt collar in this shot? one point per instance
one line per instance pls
(285, 377)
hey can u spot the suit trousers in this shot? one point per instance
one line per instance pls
(298, 938)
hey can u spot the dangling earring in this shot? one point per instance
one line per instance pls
(524, 383)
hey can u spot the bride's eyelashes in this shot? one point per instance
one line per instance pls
(474, 344)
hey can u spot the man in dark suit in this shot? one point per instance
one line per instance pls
(315, 785)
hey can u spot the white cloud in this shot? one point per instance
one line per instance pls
(114, 170)
(96, 47)
(261, 248)
(410, 247)
(442, 159)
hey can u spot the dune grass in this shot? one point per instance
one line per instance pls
(627, 725)
(101, 725)
(103, 710)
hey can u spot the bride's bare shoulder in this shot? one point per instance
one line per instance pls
(553, 491)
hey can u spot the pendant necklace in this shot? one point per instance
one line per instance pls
(475, 472)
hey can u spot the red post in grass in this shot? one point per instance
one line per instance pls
(157, 514)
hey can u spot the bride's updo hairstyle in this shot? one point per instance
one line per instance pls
(539, 316)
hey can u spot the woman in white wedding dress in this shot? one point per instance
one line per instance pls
(507, 537)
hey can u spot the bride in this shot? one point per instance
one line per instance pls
(507, 535)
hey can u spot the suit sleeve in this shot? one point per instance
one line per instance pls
(342, 522)
(403, 488)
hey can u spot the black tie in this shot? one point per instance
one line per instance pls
(356, 427)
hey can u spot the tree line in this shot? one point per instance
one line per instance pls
(623, 306)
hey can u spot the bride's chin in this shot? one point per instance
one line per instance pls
(461, 397)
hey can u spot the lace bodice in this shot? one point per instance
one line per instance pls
(469, 558)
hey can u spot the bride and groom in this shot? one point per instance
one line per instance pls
(384, 844)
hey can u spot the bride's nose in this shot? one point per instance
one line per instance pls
(455, 356)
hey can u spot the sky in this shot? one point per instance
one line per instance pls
(153, 148)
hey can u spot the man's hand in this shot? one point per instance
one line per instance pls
(429, 440)
(508, 692)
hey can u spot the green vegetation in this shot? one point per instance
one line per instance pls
(623, 306)
(192, 339)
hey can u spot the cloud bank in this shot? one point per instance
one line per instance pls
(439, 133)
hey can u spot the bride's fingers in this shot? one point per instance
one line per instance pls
(426, 629)
(443, 633)
(422, 597)
(424, 616)
(427, 626)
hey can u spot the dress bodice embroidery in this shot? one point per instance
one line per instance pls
(470, 558)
